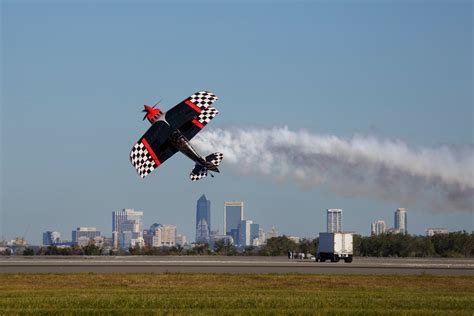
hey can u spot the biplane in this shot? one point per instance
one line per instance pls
(171, 132)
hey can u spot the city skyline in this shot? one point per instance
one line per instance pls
(332, 82)
(242, 237)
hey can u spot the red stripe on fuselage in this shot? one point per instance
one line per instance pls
(152, 153)
(194, 106)
(197, 123)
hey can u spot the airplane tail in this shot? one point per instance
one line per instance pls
(198, 172)
(212, 163)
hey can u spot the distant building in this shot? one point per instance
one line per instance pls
(84, 241)
(272, 233)
(400, 220)
(244, 230)
(203, 220)
(254, 234)
(85, 231)
(181, 240)
(51, 238)
(126, 225)
(233, 215)
(392, 231)
(436, 231)
(161, 236)
(334, 220)
(202, 232)
(261, 236)
(377, 228)
(228, 240)
(295, 239)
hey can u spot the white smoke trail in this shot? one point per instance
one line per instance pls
(441, 178)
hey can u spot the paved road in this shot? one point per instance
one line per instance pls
(235, 265)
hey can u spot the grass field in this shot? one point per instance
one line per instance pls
(228, 294)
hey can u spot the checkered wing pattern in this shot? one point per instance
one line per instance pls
(142, 160)
(198, 173)
(203, 99)
(215, 158)
(207, 115)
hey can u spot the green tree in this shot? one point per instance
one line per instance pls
(92, 249)
(28, 252)
(278, 246)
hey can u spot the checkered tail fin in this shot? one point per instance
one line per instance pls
(198, 173)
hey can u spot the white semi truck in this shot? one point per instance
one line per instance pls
(334, 247)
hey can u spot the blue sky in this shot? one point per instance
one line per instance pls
(75, 77)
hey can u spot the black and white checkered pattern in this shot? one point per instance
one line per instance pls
(198, 174)
(207, 115)
(142, 160)
(215, 158)
(203, 99)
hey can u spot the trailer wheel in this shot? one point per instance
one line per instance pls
(336, 259)
(348, 259)
(333, 259)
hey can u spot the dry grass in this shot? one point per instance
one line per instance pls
(183, 293)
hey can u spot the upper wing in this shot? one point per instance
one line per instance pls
(193, 113)
(152, 149)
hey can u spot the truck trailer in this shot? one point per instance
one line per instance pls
(334, 247)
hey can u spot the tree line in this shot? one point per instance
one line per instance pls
(455, 244)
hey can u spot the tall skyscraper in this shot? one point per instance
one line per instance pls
(334, 220)
(244, 230)
(401, 220)
(233, 215)
(254, 234)
(377, 228)
(51, 238)
(203, 220)
(126, 221)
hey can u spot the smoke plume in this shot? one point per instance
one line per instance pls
(438, 178)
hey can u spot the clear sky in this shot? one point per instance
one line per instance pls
(75, 77)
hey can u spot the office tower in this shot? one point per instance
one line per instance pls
(126, 221)
(254, 234)
(203, 220)
(401, 220)
(233, 215)
(84, 232)
(244, 233)
(334, 220)
(51, 238)
(377, 228)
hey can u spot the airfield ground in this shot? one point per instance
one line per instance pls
(225, 294)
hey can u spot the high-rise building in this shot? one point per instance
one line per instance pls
(244, 230)
(203, 220)
(401, 220)
(233, 215)
(126, 221)
(87, 232)
(334, 220)
(254, 234)
(51, 238)
(377, 228)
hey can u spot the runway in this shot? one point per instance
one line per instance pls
(218, 264)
